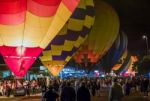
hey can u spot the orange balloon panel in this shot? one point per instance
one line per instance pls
(53, 68)
(85, 55)
(133, 60)
(117, 66)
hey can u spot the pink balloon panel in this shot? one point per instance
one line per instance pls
(19, 59)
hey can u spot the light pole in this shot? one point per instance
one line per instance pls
(146, 39)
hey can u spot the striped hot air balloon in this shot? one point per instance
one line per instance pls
(117, 67)
(127, 66)
(27, 27)
(115, 52)
(118, 49)
(101, 37)
(72, 35)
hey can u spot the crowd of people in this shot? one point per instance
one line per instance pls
(25, 87)
(77, 89)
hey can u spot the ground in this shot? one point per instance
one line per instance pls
(103, 97)
(37, 98)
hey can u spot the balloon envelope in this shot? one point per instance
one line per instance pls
(128, 68)
(102, 35)
(117, 66)
(26, 28)
(118, 49)
(112, 57)
(69, 39)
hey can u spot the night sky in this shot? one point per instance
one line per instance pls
(135, 21)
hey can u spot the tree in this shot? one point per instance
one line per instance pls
(143, 64)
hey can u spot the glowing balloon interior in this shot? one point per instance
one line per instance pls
(27, 27)
(102, 35)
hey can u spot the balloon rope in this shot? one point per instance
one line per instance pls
(23, 33)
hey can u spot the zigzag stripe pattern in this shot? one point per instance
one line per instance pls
(65, 44)
(71, 36)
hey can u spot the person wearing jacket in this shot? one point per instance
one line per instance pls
(116, 91)
(83, 93)
(68, 93)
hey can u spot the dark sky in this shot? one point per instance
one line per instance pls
(135, 21)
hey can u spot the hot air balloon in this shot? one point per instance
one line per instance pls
(124, 61)
(101, 37)
(72, 35)
(128, 66)
(27, 27)
(117, 66)
(115, 52)
(118, 49)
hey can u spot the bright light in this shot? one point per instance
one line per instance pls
(42, 68)
(102, 75)
(144, 36)
(96, 71)
(21, 50)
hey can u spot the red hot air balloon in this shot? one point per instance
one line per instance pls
(27, 27)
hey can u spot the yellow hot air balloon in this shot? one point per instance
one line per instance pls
(27, 27)
(102, 35)
(72, 35)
